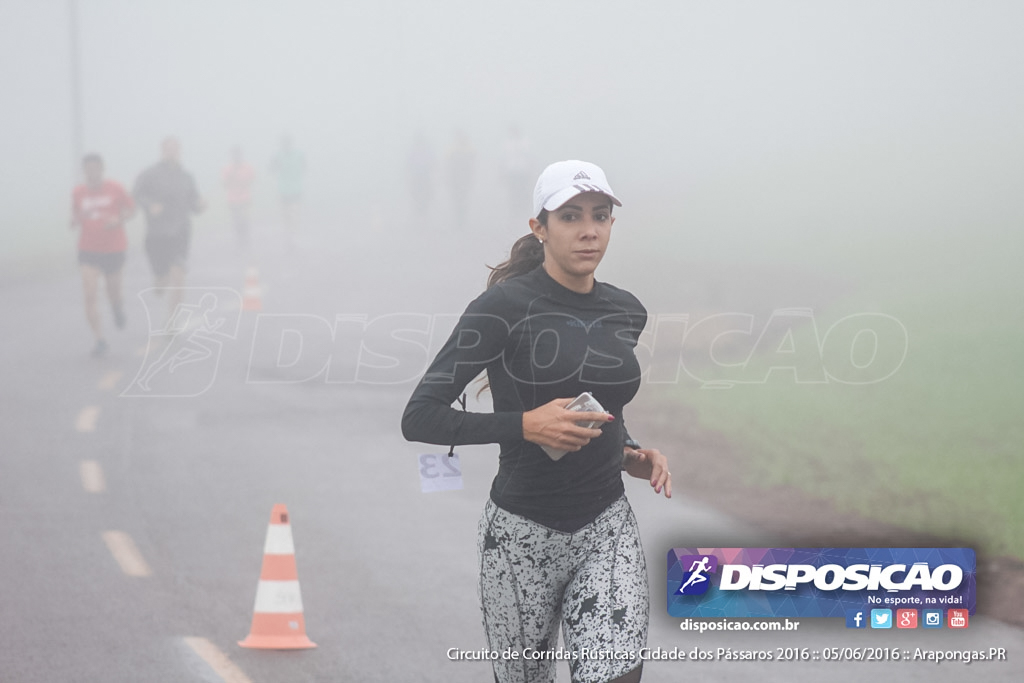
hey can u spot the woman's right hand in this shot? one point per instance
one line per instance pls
(553, 426)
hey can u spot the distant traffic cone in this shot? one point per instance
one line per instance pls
(277, 621)
(252, 294)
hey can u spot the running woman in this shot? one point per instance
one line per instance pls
(99, 208)
(558, 544)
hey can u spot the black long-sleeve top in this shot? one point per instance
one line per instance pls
(174, 188)
(537, 341)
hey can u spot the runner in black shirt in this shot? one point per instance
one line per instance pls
(167, 194)
(558, 541)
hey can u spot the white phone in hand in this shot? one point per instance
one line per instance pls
(585, 403)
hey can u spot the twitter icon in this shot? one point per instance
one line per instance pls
(881, 618)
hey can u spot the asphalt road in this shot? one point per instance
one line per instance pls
(186, 469)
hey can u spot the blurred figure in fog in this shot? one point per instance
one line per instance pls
(421, 165)
(167, 194)
(99, 209)
(289, 165)
(460, 165)
(238, 178)
(515, 169)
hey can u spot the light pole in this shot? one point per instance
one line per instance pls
(76, 93)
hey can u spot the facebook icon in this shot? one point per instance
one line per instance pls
(855, 619)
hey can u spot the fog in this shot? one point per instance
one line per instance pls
(745, 118)
(821, 160)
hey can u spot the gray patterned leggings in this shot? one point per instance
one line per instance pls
(592, 581)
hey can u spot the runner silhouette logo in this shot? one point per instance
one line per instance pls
(696, 580)
(183, 353)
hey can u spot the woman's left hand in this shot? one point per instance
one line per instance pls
(649, 463)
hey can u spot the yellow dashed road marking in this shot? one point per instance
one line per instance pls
(86, 420)
(109, 380)
(122, 547)
(217, 660)
(92, 476)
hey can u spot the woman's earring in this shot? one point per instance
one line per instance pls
(540, 240)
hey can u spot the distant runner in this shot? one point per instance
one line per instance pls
(461, 167)
(516, 169)
(289, 165)
(99, 209)
(238, 178)
(420, 168)
(168, 195)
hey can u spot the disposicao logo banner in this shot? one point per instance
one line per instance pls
(817, 582)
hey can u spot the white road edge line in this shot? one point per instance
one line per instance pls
(218, 661)
(123, 548)
(86, 420)
(92, 476)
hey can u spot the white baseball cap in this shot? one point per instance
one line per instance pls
(563, 180)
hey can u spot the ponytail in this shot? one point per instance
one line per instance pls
(526, 254)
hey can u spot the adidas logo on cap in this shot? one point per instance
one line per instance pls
(563, 180)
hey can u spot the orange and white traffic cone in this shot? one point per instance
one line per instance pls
(277, 621)
(252, 293)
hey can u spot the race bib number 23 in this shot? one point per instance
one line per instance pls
(440, 472)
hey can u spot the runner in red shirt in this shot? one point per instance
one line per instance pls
(238, 179)
(99, 209)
